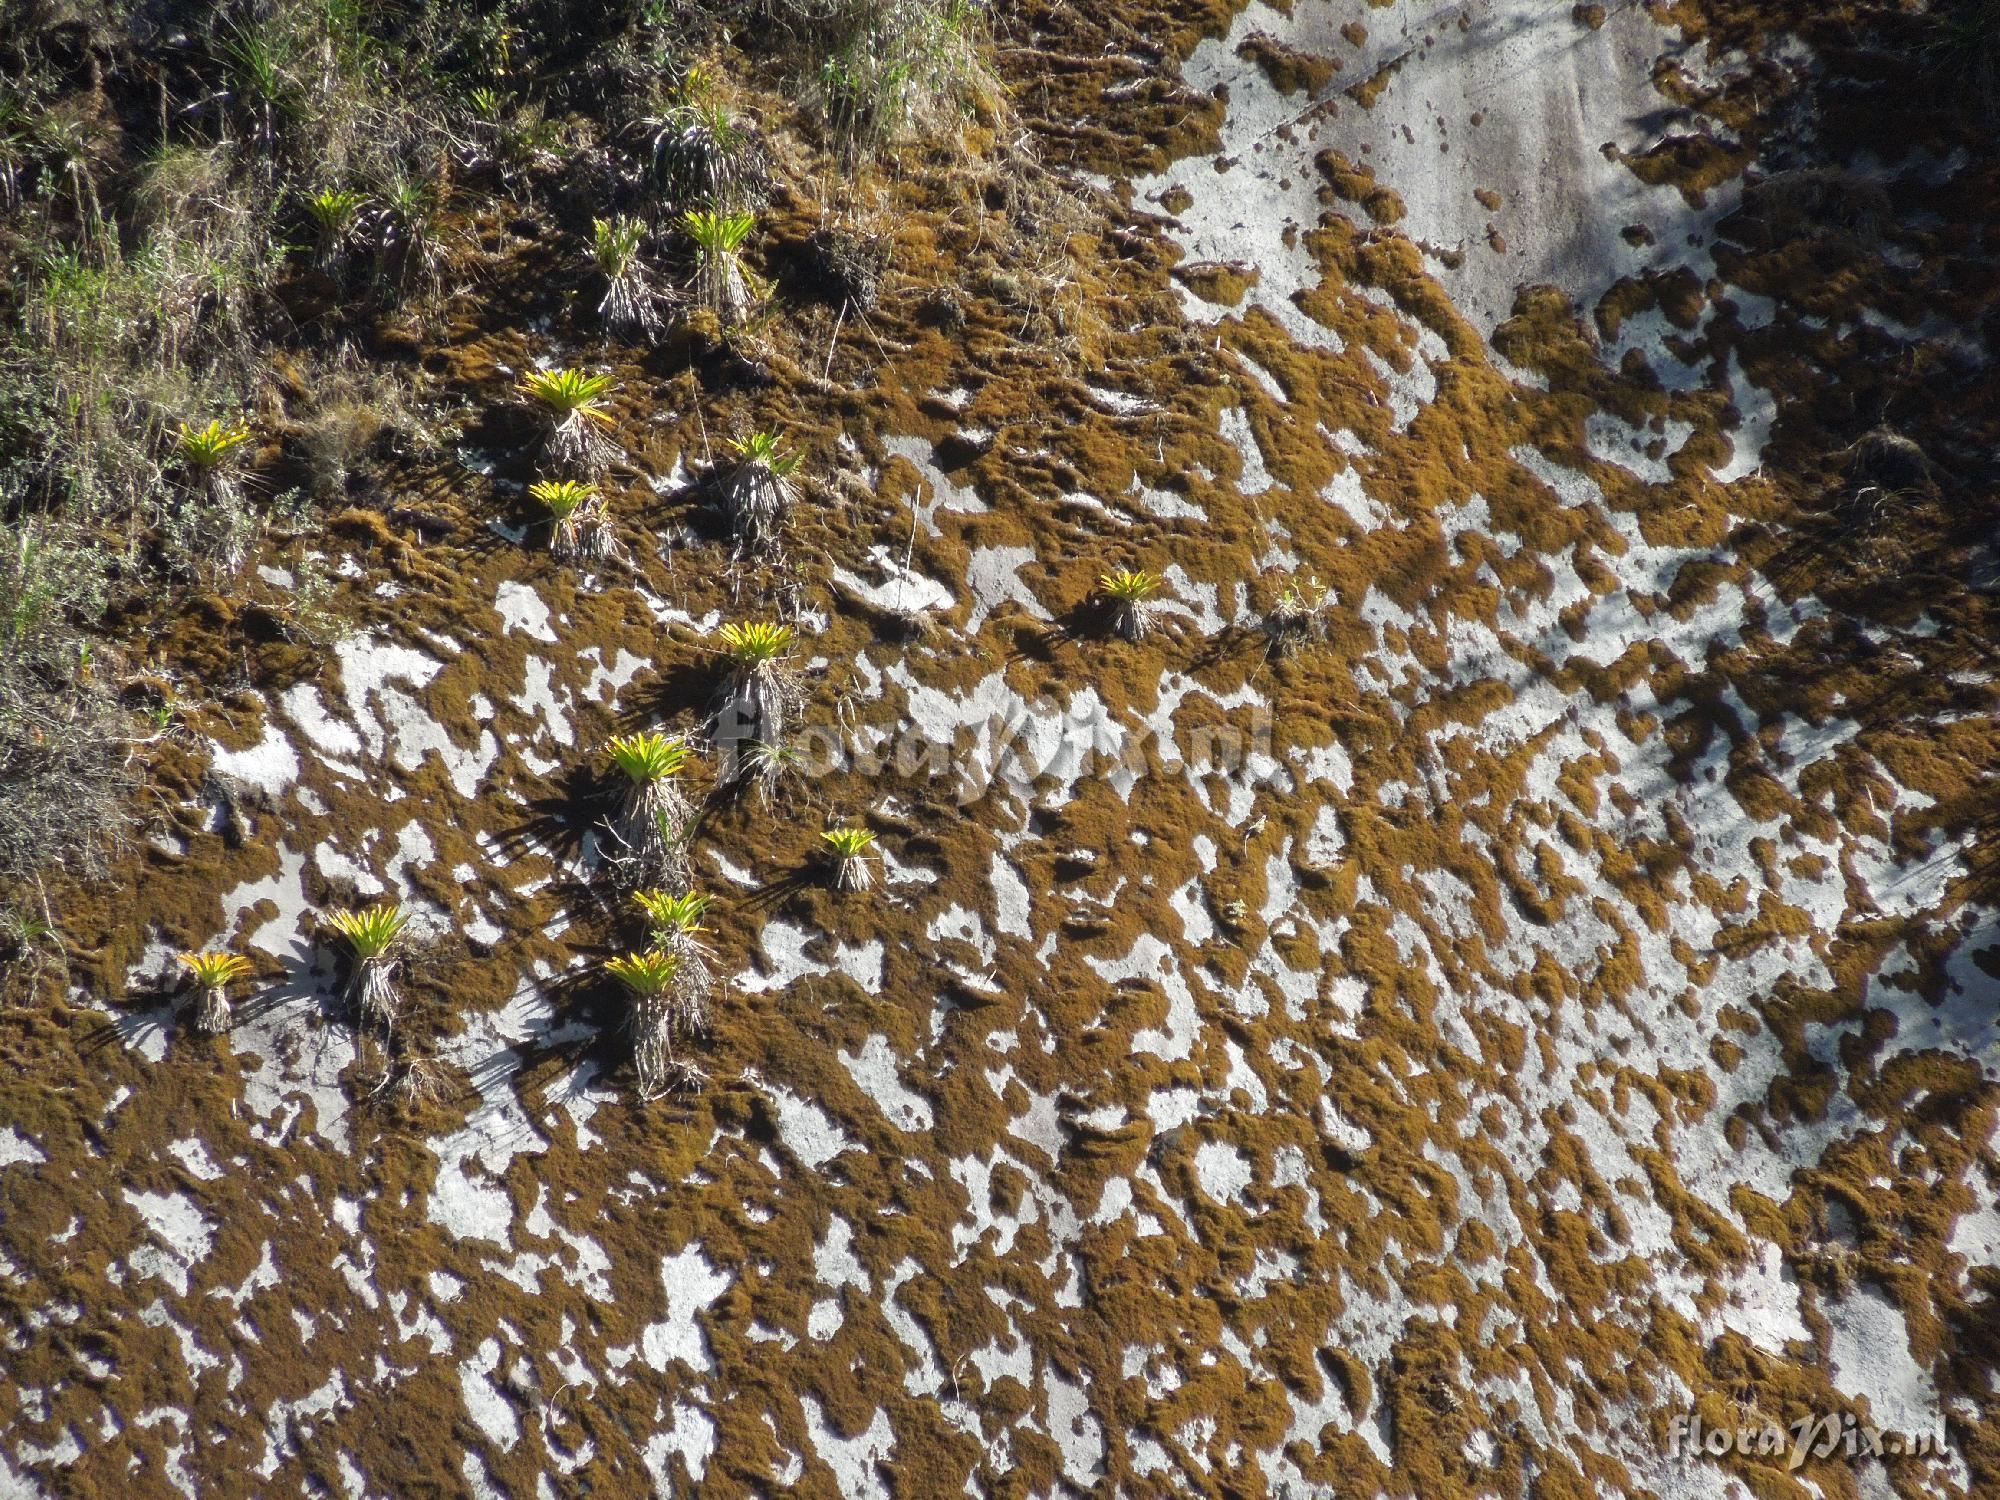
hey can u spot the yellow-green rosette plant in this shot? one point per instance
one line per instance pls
(573, 402)
(1127, 593)
(650, 827)
(848, 847)
(212, 974)
(373, 937)
(649, 979)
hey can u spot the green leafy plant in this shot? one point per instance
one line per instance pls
(574, 403)
(699, 150)
(653, 818)
(760, 689)
(627, 304)
(1297, 616)
(1128, 593)
(220, 527)
(675, 923)
(721, 282)
(651, 979)
(372, 937)
(204, 450)
(212, 974)
(334, 213)
(848, 847)
(757, 491)
(579, 525)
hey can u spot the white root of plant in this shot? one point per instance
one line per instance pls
(627, 307)
(693, 981)
(1131, 618)
(757, 500)
(212, 1011)
(756, 707)
(650, 825)
(652, 1043)
(721, 286)
(576, 441)
(585, 535)
(852, 872)
(373, 992)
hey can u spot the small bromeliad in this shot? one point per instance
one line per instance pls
(675, 924)
(627, 304)
(848, 847)
(208, 456)
(650, 978)
(1127, 593)
(1298, 616)
(757, 492)
(652, 821)
(372, 938)
(573, 402)
(579, 522)
(212, 974)
(759, 689)
(722, 284)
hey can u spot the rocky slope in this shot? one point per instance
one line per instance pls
(1423, 1062)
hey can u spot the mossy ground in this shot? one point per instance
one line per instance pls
(1520, 898)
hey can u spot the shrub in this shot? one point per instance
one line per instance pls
(63, 762)
(888, 68)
